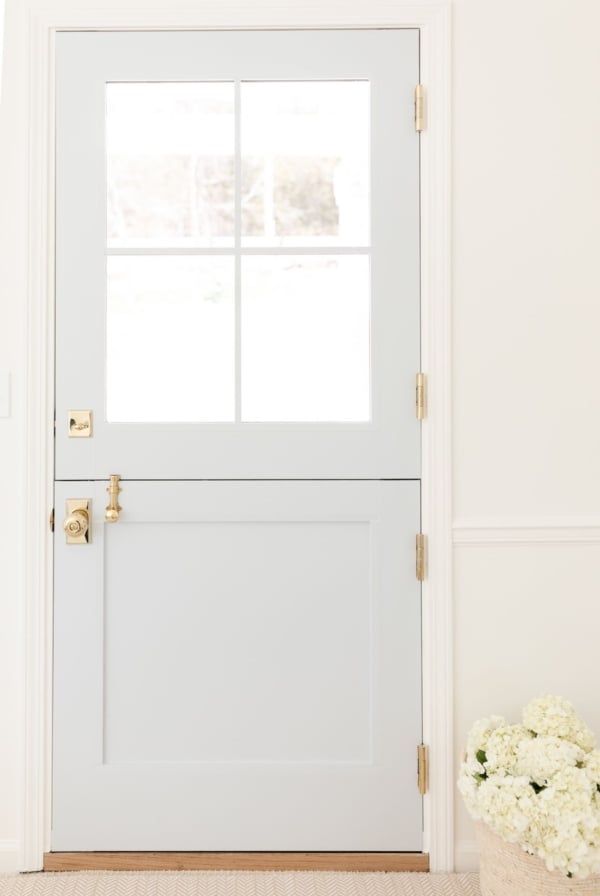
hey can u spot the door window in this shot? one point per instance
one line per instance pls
(208, 183)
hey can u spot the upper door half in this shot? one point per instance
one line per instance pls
(237, 264)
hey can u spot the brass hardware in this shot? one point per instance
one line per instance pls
(77, 524)
(113, 507)
(51, 520)
(423, 768)
(80, 424)
(421, 557)
(419, 108)
(421, 396)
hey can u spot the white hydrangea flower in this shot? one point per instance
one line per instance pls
(478, 736)
(502, 748)
(566, 834)
(557, 717)
(538, 784)
(473, 767)
(468, 786)
(591, 763)
(542, 757)
(505, 803)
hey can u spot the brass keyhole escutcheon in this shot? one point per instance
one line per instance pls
(77, 524)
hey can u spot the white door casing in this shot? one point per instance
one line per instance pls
(433, 20)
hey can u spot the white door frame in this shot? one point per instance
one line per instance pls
(433, 18)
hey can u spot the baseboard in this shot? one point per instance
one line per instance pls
(9, 856)
(466, 856)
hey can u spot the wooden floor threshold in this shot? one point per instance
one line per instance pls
(236, 861)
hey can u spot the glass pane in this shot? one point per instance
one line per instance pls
(305, 338)
(170, 164)
(170, 339)
(305, 163)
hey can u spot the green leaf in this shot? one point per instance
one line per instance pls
(480, 756)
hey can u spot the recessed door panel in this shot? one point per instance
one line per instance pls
(249, 629)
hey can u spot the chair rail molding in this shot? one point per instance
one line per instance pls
(527, 531)
(40, 24)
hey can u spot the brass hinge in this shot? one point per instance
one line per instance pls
(421, 396)
(421, 557)
(51, 520)
(419, 108)
(423, 768)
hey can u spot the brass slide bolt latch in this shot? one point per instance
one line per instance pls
(113, 507)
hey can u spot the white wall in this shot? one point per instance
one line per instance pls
(13, 117)
(526, 122)
(526, 298)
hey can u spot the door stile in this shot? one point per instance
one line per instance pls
(237, 245)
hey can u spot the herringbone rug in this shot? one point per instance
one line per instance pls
(238, 883)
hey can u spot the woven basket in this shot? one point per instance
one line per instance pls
(507, 870)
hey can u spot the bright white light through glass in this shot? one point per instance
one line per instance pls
(170, 339)
(305, 338)
(170, 164)
(305, 163)
(178, 238)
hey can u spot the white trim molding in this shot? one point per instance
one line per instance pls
(436, 496)
(433, 20)
(561, 530)
(36, 622)
(2, 4)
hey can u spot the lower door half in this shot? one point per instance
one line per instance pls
(237, 667)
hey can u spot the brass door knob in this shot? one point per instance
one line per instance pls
(77, 524)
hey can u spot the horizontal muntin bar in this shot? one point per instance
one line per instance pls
(273, 250)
